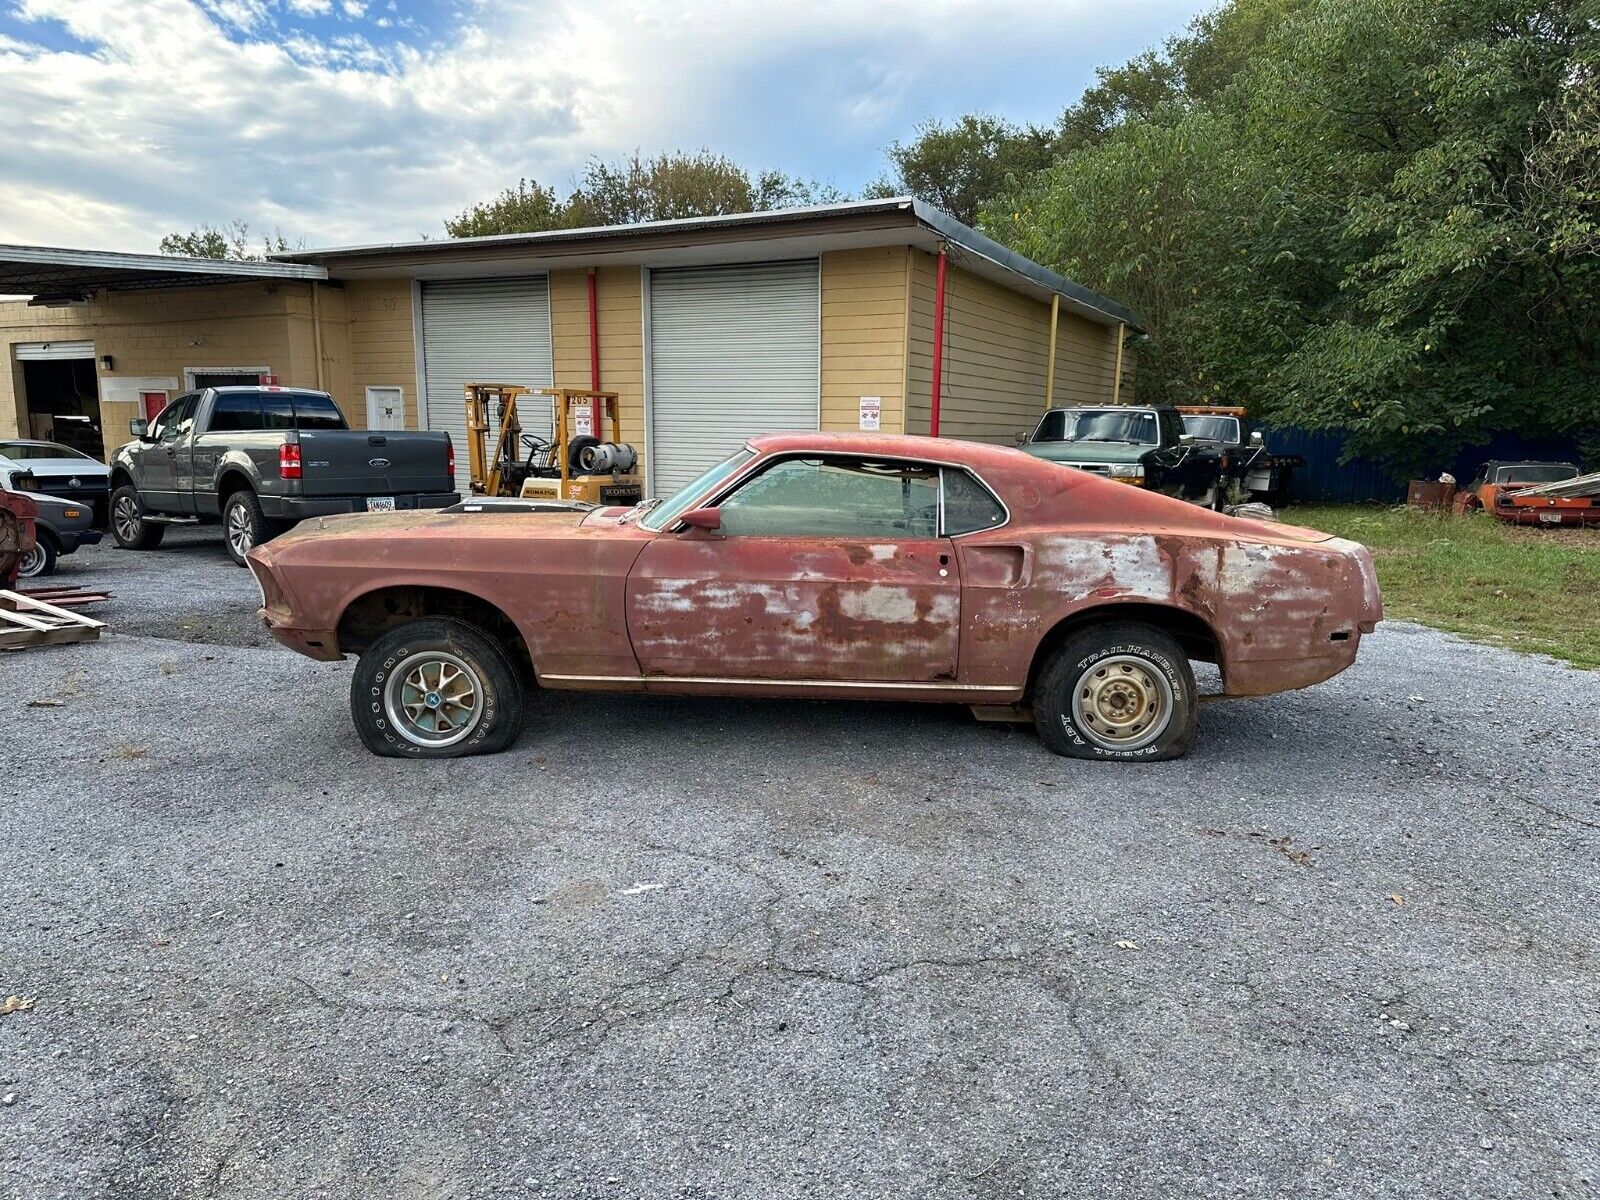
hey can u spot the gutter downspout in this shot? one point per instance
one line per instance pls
(1116, 380)
(316, 331)
(938, 343)
(1050, 358)
(594, 360)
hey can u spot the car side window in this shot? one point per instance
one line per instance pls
(175, 419)
(851, 498)
(968, 505)
(236, 412)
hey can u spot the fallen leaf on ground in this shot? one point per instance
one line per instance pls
(16, 1004)
(1398, 899)
(1127, 945)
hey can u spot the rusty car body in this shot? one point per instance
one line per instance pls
(1530, 493)
(17, 534)
(833, 566)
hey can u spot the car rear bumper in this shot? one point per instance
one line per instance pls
(299, 508)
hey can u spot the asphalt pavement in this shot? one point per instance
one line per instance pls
(1350, 946)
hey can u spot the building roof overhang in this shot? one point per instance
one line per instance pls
(51, 275)
(737, 237)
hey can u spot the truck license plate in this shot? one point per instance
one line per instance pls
(380, 503)
(1550, 518)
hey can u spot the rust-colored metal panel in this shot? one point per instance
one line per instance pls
(604, 603)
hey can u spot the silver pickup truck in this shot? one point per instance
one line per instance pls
(258, 459)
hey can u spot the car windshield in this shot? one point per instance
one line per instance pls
(22, 451)
(1098, 425)
(1536, 473)
(662, 515)
(1212, 429)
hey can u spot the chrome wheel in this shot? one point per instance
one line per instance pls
(126, 519)
(241, 533)
(32, 562)
(433, 698)
(1122, 703)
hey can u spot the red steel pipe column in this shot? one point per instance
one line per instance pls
(938, 344)
(594, 357)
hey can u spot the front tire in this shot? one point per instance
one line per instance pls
(129, 527)
(435, 688)
(1121, 691)
(39, 561)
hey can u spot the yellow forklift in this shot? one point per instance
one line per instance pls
(578, 467)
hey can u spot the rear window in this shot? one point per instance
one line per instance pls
(316, 412)
(22, 451)
(280, 411)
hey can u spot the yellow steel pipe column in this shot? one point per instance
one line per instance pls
(1050, 358)
(1116, 379)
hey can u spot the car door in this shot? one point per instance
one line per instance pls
(158, 487)
(823, 568)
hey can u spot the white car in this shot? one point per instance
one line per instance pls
(61, 471)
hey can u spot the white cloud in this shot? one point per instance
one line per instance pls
(354, 9)
(183, 111)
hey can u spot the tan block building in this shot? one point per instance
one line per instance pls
(878, 314)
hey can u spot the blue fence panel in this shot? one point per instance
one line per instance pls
(1325, 480)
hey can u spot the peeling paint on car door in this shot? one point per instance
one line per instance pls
(740, 607)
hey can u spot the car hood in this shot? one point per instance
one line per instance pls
(429, 525)
(85, 468)
(1094, 452)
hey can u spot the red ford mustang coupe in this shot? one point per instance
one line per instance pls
(825, 565)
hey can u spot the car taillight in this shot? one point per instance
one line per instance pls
(449, 457)
(289, 460)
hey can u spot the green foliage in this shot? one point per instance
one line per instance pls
(635, 189)
(1379, 215)
(956, 168)
(233, 242)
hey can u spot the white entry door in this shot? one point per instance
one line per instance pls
(386, 408)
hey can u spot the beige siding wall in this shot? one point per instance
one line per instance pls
(996, 347)
(864, 336)
(152, 336)
(619, 315)
(381, 345)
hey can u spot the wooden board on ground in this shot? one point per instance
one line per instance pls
(27, 621)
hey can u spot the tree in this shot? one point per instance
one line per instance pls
(958, 168)
(636, 189)
(1374, 215)
(232, 242)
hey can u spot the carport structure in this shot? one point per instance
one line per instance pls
(90, 346)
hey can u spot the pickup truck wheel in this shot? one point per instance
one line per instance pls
(435, 688)
(128, 525)
(244, 525)
(41, 560)
(1117, 691)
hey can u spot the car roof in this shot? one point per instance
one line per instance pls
(894, 445)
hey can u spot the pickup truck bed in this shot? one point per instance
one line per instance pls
(260, 459)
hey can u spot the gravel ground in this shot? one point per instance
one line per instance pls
(689, 948)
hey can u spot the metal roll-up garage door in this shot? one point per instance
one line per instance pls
(484, 331)
(734, 352)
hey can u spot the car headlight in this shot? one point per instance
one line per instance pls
(1128, 472)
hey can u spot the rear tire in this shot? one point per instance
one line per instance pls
(1118, 691)
(129, 528)
(41, 560)
(436, 688)
(244, 525)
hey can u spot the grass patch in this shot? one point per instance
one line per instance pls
(1530, 589)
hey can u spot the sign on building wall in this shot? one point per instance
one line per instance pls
(871, 413)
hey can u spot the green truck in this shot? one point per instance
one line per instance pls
(1143, 445)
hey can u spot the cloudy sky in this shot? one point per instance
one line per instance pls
(343, 121)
